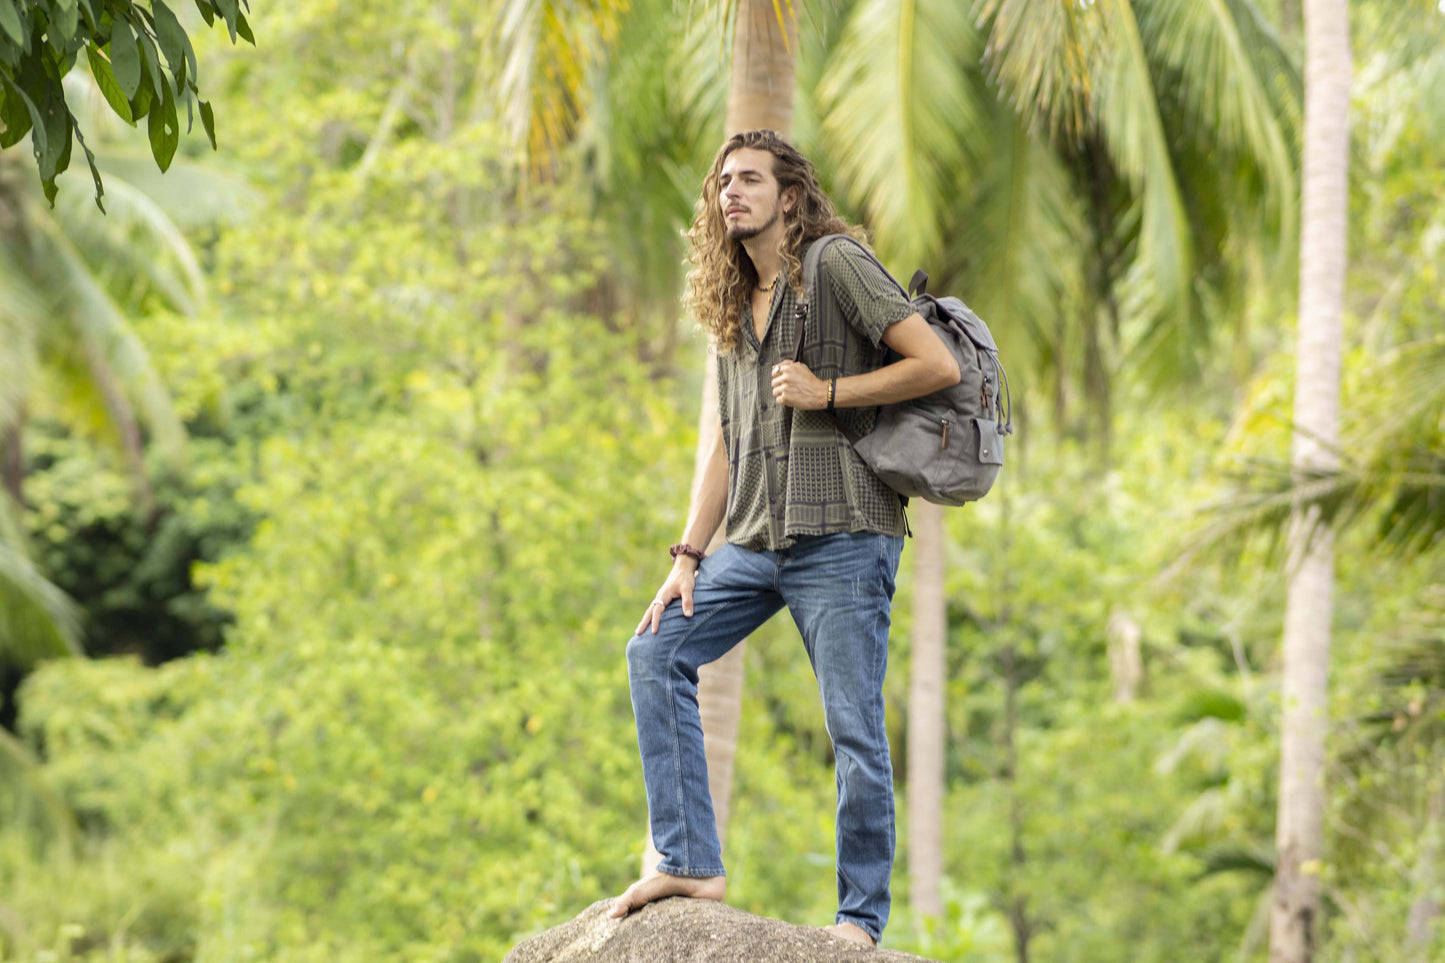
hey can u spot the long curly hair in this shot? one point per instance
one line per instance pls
(722, 274)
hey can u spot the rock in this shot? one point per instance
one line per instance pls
(681, 930)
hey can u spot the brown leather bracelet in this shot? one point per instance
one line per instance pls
(688, 550)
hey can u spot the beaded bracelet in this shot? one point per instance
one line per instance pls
(832, 389)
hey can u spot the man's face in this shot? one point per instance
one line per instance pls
(749, 195)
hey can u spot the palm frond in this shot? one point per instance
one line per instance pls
(1405, 31)
(1229, 63)
(1158, 285)
(190, 194)
(1205, 818)
(134, 238)
(900, 117)
(22, 313)
(37, 620)
(699, 87)
(1239, 859)
(653, 122)
(97, 331)
(19, 771)
(549, 46)
(1392, 469)
(1041, 54)
(1019, 245)
(1202, 742)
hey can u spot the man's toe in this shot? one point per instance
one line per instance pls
(620, 905)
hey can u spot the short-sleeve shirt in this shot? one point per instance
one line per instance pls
(792, 472)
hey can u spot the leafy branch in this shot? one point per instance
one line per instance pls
(140, 55)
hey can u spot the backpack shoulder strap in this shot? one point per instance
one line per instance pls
(810, 298)
(806, 306)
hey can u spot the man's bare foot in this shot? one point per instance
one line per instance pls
(662, 885)
(851, 932)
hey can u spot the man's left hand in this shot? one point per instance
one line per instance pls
(794, 386)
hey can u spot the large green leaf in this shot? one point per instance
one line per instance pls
(173, 40)
(151, 63)
(110, 88)
(65, 17)
(208, 121)
(229, 10)
(10, 22)
(546, 48)
(164, 128)
(125, 58)
(54, 153)
(140, 104)
(18, 112)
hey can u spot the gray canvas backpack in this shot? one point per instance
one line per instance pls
(945, 447)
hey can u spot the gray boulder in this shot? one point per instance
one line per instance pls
(691, 931)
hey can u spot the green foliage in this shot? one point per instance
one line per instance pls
(131, 572)
(40, 40)
(433, 458)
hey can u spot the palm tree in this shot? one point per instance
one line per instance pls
(1299, 836)
(927, 726)
(64, 275)
(1062, 215)
(1028, 227)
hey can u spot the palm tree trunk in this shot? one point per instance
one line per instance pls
(926, 724)
(1126, 655)
(1294, 929)
(760, 94)
(1421, 923)
(1016, 905)
(761, 87)
(12, 459)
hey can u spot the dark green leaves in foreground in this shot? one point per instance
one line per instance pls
(140, 56)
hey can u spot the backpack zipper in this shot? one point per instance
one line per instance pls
(944, 423)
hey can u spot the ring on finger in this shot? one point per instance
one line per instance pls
(658, 602)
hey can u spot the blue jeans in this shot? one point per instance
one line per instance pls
(839, 589)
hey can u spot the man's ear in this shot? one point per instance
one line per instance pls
(790, 198)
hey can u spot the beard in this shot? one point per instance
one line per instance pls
(737, 232)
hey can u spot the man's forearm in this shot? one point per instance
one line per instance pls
(709, 505)
(904, 379)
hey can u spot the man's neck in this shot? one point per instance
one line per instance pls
(763, 250)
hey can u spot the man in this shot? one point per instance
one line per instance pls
(808, 525)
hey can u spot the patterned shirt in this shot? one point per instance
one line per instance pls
(791, 472)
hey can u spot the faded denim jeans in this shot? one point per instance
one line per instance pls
(839, 590)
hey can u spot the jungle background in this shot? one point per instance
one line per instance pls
(340, 462)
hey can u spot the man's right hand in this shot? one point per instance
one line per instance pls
(679, 585)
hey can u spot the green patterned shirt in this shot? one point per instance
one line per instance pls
(791, 472)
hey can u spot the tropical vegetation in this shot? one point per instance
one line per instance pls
(339, 462)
